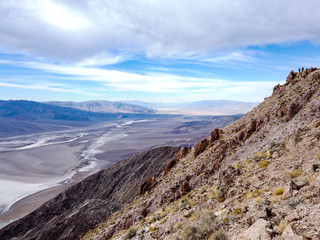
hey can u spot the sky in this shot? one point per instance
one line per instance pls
(154, 50)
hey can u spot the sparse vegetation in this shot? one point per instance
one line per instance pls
(264, 163)
(204, 227)
(131, 232)
(294, 173)
(278, 191)
(218, 236)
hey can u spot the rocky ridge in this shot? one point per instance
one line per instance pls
(258, 178)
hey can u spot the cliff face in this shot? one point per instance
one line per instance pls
(258, 178)
(91, 201)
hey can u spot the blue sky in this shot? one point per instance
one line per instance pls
(155, 51)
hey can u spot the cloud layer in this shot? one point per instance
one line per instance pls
(78, 30)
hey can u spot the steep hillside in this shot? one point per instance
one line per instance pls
(91, 201)
(105, 107)
(258, 178)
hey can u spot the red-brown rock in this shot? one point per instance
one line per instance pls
(181, 154)
(215, 135)
(184, 188)
(292, 75)
(148, 184)
(200, 147)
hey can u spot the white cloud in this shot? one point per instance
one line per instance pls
(75, 30)
(170, 85)
(47, 87)
(235, 56)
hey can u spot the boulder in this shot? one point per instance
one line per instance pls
(288, 234)
(258, 230)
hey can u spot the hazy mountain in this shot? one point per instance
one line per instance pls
(26, 110)
(208, 107)
(105, 107)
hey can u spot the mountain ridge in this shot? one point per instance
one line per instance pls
(103, 106)
(257, 178)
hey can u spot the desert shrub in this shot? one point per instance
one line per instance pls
(318, 156)
(259, 156)
(131, 232)
(282, 225)
(278, 191)
(218, 236)
(294, 173)
(152, 228)
(201, 228)
(264, 163)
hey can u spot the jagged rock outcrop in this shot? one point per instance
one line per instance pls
(181, 154)
(147, 185)
(200, 147)
(91, 201)
(215, 135)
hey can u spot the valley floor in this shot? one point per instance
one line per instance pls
(35, 168)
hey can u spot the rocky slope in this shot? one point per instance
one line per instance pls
(105, 107)
(258, 178)
(91, 201)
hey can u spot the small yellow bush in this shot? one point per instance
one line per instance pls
(282, 225)
(269, 155)
(318, 156)
(264, 163)
(237, 211)
(294, 173)
(278, 191)
(256, 193)
(152, 228)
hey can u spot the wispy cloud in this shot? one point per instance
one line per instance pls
(232, 57)
(150, 82)
(46, 88)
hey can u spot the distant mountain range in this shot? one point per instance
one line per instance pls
(30, 110)
(83, 111)
(208, 107)
(105, 107)
(26, 117)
